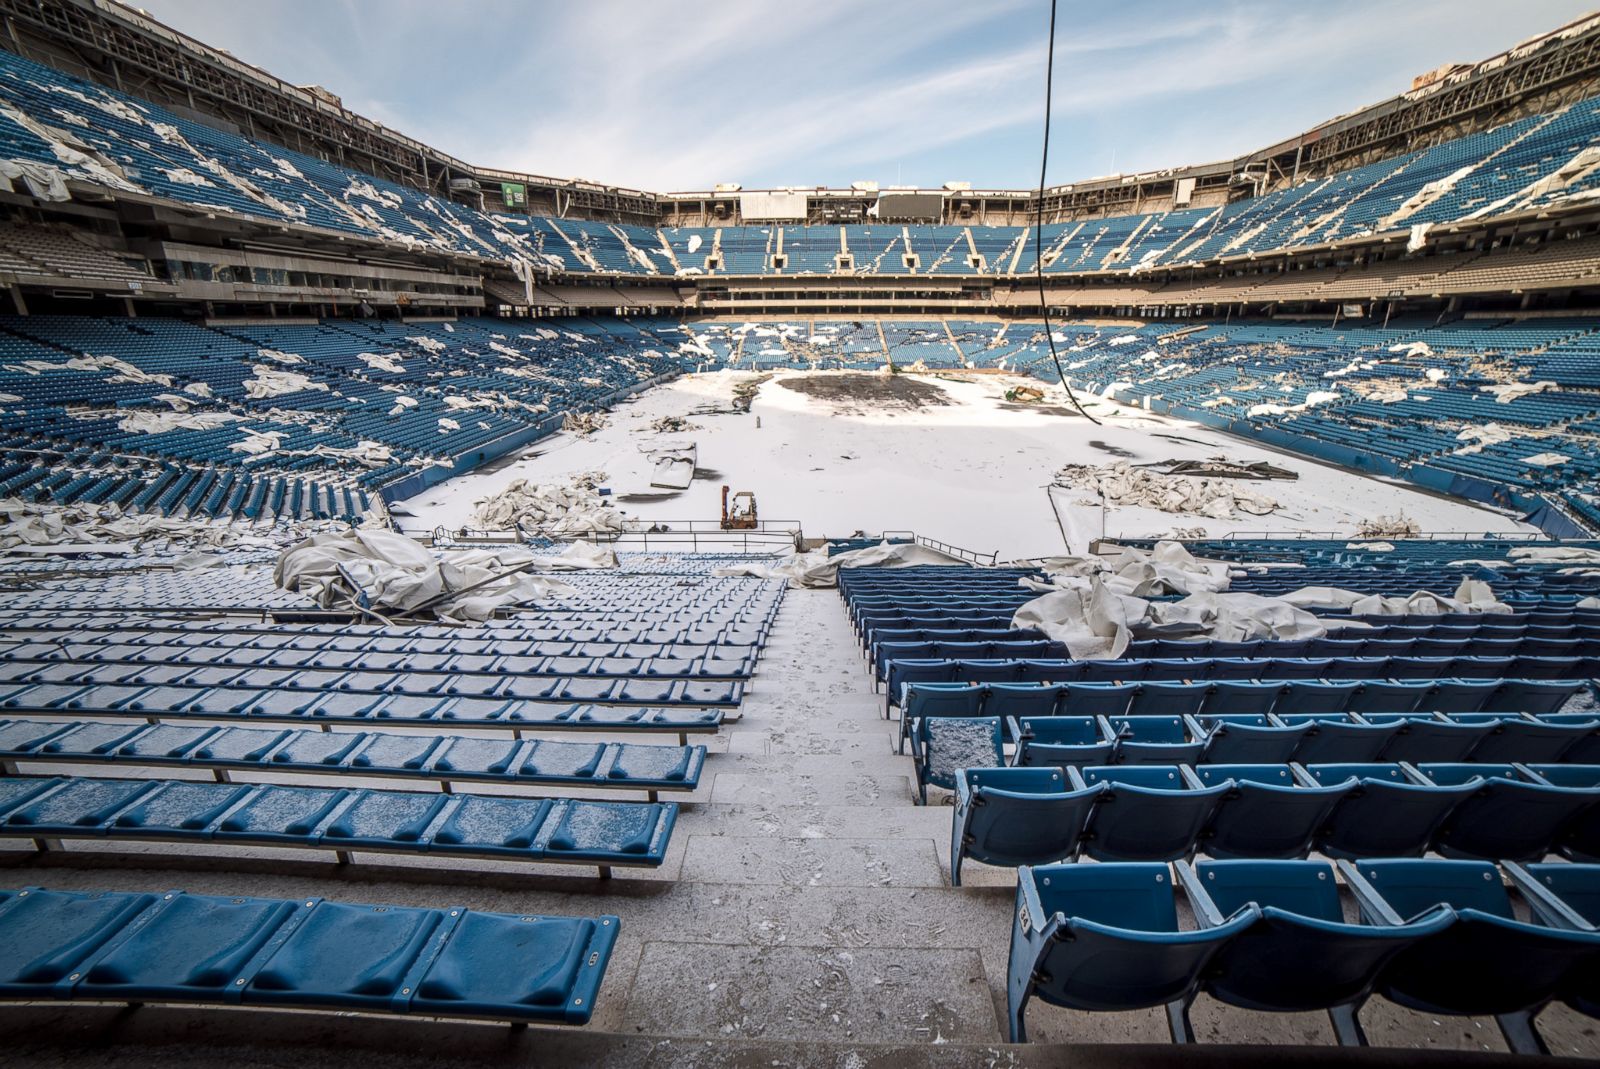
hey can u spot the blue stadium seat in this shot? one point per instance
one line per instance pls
(1061, 741)
(1486, 963)
(1105, 937)
(1300, 955)
(1016, 816)
(1389, 813)
(306, 953)
(1150, 812)
(1268, 812)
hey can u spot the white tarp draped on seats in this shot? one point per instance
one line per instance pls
(1554, 555)
(1168, 569)
(1472, 595)
(817, 570)
(50, 528)
(1097, 623)
(391, 573)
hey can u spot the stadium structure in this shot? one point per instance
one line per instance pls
(377, 671)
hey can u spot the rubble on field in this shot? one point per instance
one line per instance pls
(1380, 528)
(673, 425)
(550, 509)
(583, 422)
(1123, 483)
(1222, 468)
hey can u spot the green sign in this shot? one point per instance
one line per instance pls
(515, 194)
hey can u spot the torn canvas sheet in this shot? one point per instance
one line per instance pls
(271, 382)
(817, 570)
(1472, 595)
(1554, 555)
(392, 574)
(1169, 568)
(550, 509)
(1098, 623)
(1123, 483)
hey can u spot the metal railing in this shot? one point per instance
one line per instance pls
(985, 559)
(769, 536)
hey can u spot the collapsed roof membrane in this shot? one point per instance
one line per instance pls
(1100, 604)
(389, 574)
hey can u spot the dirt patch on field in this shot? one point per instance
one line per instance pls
(861, 392)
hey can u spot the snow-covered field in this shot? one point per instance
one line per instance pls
(971, 471)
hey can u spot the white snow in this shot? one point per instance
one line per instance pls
(971, 473)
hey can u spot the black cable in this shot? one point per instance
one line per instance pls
(1038, 219)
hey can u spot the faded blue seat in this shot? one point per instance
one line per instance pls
(1268, 812)
(1429, 736)
(1300, 955)
(1016, 816)
(1059, 741)
(189, 812)
(1244, 738)
(1150, 812)
(1154, 740)
(1487, 963)
(1105, 938)
(1388, 813)
(304, 953)
(1337, 738)
(1509, 816)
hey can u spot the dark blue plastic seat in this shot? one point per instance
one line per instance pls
(1154, 740)
(1515, 738)
(1060, 741)
(1269, 812)
(1428, 736)
(1019, 700)
(303, 953)
(1388, 813)
(1098, 699)
(1016, 816)
(1105, 937)
(1333, 738)
(1150, 813)
(1310, 697)
(1157, 698)
(1245, 739)
(1509, 816)
(1300, 955)
(1486, 963)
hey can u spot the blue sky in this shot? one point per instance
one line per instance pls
(672, 95)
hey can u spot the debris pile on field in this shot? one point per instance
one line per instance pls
(1025, 395)
(388, 574)
(553, 510)
(1123, 483)
(1384, 527)
(744, 394)
(673, 425)
(1223, 468)
(583, 422)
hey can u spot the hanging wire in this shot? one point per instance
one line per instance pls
(1038, 220)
